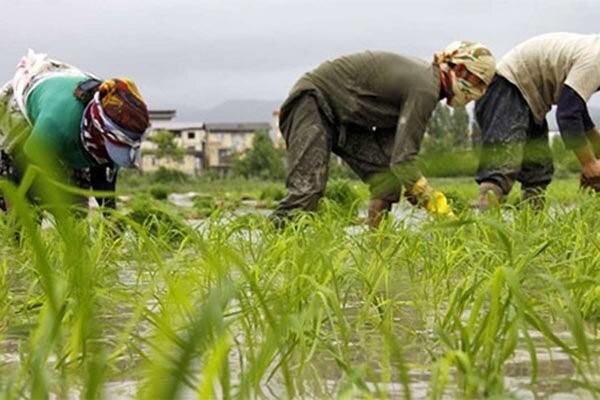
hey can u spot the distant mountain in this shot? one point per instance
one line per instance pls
(232, 111)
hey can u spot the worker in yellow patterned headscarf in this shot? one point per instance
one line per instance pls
(371, 109)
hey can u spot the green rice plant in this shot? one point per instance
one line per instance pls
(204, 205)
(322, 308)
(48, 335)
(158, 220)
(341, 198)
(498, 308)
(272, 193)
(166, 175)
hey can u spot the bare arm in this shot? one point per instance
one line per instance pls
(377, 209)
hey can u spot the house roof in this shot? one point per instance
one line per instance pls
(237, 127)
(177, 126)
(161, 115)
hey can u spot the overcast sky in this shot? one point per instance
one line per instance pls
(200, 53)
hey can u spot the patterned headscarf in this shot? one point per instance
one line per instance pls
(114, 122)
(477, 58)
(123, 104)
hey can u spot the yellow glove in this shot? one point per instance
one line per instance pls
(419, 192)
(435, 202)
(437, 205)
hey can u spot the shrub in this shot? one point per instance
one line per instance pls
(274, 193)
(262, 161)
(159, 192)
(166, 175)
(129, 178)
(212, 175)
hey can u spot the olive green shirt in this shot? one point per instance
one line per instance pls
(377, 89)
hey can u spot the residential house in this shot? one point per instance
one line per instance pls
(208, 146)
(191, 136)
(223, 140)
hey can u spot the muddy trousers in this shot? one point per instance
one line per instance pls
(514, 146)
(311, 138)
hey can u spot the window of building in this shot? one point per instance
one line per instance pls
(238, 141)
(191, 135)
(224, 156)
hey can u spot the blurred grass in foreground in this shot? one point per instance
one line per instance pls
(322, 308)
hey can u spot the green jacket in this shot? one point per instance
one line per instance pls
(56, 117)
(382, 90)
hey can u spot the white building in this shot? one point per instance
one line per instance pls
(208, 146)
(191, 136)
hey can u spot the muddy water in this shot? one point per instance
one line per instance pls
(555, 368)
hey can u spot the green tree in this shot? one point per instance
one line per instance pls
(166, 147)
(262, 161)
(447, 149)
(448, 130)
(475, 134)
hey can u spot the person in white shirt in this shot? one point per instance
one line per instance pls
(560, 69)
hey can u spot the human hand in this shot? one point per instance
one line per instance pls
(437, 205)
(591, 169)
(435, 202)
(593, 137)
(590, 176)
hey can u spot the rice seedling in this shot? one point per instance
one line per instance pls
(142, 304)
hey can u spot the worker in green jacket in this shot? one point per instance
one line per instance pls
(58, 118)
(371, 109)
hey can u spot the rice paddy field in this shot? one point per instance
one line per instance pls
(198, 296)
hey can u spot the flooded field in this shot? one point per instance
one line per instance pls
(226, 306)
(554, 377)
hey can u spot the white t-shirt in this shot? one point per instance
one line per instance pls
(540, 67)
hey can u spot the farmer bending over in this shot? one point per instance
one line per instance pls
(371, 109)
(55, 116)
(556, 68)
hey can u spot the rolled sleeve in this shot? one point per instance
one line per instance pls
(573, 118)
